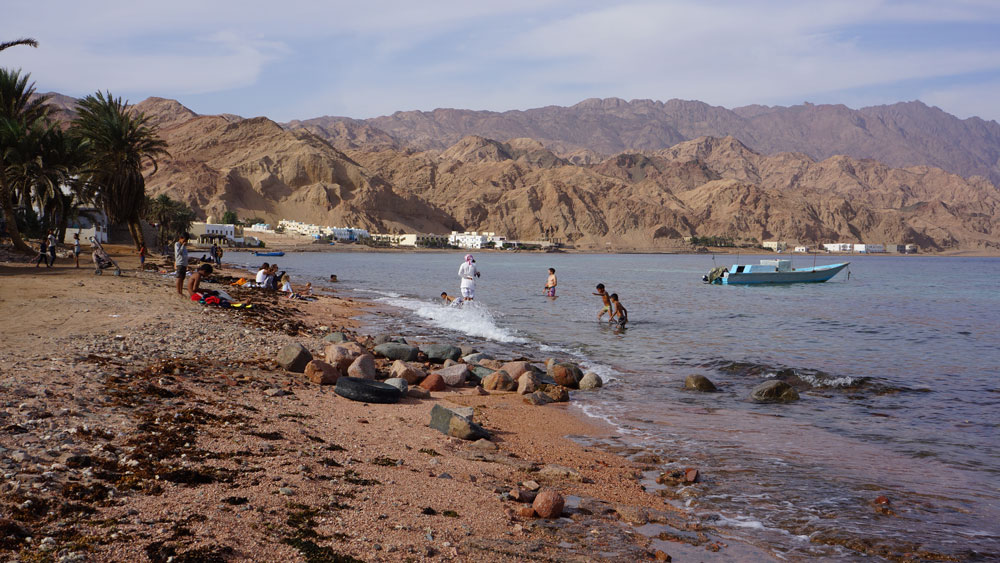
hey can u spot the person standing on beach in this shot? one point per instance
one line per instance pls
(607, 302)
(142, 257)
(52, 248)
(181, 261)
(218, 256)
(468, 274)
(76, 248)
(550, 284)
(43, 256)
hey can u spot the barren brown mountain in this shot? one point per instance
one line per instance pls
(902, 134)
(651, 199)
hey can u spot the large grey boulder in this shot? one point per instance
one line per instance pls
(701, 383)
(335, 338)
(774, 391)
(397, 351)
(451, 423)
(455, 375)
(476, 358)
(442, 352)
(479, 372)
(591, 380)
(294, 357)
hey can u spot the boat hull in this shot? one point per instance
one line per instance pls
(817, 274)
(268, 253)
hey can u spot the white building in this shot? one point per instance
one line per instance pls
(261, 228)
(348, 233)
(775, 245)
(839, 247)
(801, 249)
(869, 248)
(90, 222)
(475, 239)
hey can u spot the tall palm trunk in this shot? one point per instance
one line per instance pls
(8, 214)
(135, 229)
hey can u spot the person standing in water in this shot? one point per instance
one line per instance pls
(607, 302)
(550, 284)
(468, 274)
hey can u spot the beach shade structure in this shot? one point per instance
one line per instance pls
(367, 391)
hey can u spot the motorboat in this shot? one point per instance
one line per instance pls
(276, 253)
(771, 271)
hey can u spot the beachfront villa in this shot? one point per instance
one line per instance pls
(476, 239)
(869, 248)
(261, 228)
(801, 249)
(410, 239)
(316, 231)
(838, 247)
(775, 245)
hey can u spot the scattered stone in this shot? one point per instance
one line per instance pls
(557, 393)
(527, 383)
(774, 391)
(661, 555)
(491, 364)
(531, 485)
(287, 491)
(467, 412)
(294, 357)
(515, 369)
(699, 383)
(526, 512)
(411, 374)
(398, 383)
(274, 392)
(440, 352)
(537, 398)
(483, 445)
(499, 381)
(448, 363)
(554, 472)
(340, 356)
(335, 337)
(480, 391)
(455, 375)
(468, 349)
(522, 495)
(565, 374)
(418, 393)
(433, 382)
(479, 372)
(591, 380)
(363, 367)
(451, 423)
(397, 351)
(321, 373)
(635, 515)
(548, 504)
(476, 358)
(691, 475)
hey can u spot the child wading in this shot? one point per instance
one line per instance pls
(550, 283)
(607, 302)
(619, 314)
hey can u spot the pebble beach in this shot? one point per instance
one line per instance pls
(138, 425)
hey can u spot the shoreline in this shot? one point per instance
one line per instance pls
(266, 465)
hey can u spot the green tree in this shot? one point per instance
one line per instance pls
(119, 142)
(22, 115)
(171, 217)
(229, 218)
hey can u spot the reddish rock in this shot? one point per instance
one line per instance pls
(527, 384)
(363, 367)
(566, 374)
(321, 372)
(691, 475)
(515, 369)
(557, 393)
(340, 357)
(433, 382)
(531, 485)
(525, 512)
(548, 504)
(411, 374)
(882, 499)
(499, 381)
(661, 555)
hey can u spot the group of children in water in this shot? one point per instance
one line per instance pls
(467, 272)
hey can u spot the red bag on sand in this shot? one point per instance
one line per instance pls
(211, 300)
(196, 297)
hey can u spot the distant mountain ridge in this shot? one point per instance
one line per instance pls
(901, 134)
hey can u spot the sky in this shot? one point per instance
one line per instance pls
(296, 59)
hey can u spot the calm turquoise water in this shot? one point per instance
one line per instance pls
(897, 368)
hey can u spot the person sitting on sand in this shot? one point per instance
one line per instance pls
(550, 284)
(607, 302)
(194, 283)
(308, 289)
(262, 273)
(286, 284)
(620, 314)
(181, 261)
(468, 273)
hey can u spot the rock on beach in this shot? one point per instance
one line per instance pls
(527, 383)
(774, 391)
(499, 381)
(515, 369)
(398, 383)
(455, 375)
(591, 380)
(397, 351)
(566, 374)
(411, 374)
(453, 424)
(363, 367)
(340, 356)
(441, 352)
(433, 382)
(294, 357)
(548, 504)
(321, 373)
(701, 383)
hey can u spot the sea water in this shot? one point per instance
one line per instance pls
(896, 366)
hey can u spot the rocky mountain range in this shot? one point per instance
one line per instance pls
(353, 173)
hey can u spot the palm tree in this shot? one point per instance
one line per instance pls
(23, 41)
(21, 115)
(118, 143)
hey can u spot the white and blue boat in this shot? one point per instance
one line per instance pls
(772, 271)
(277, 253)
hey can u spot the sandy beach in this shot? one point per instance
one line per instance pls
(139, 425)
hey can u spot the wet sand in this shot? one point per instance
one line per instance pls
(139, 425)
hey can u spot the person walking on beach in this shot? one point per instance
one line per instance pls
(142, 257)
(181, 261)
(52, 248)
(607, 302)
(468, 274)
(619, 314)
(76, 248)
(43, 253)
(550, 284)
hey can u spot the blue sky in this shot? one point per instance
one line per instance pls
(296, 60)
